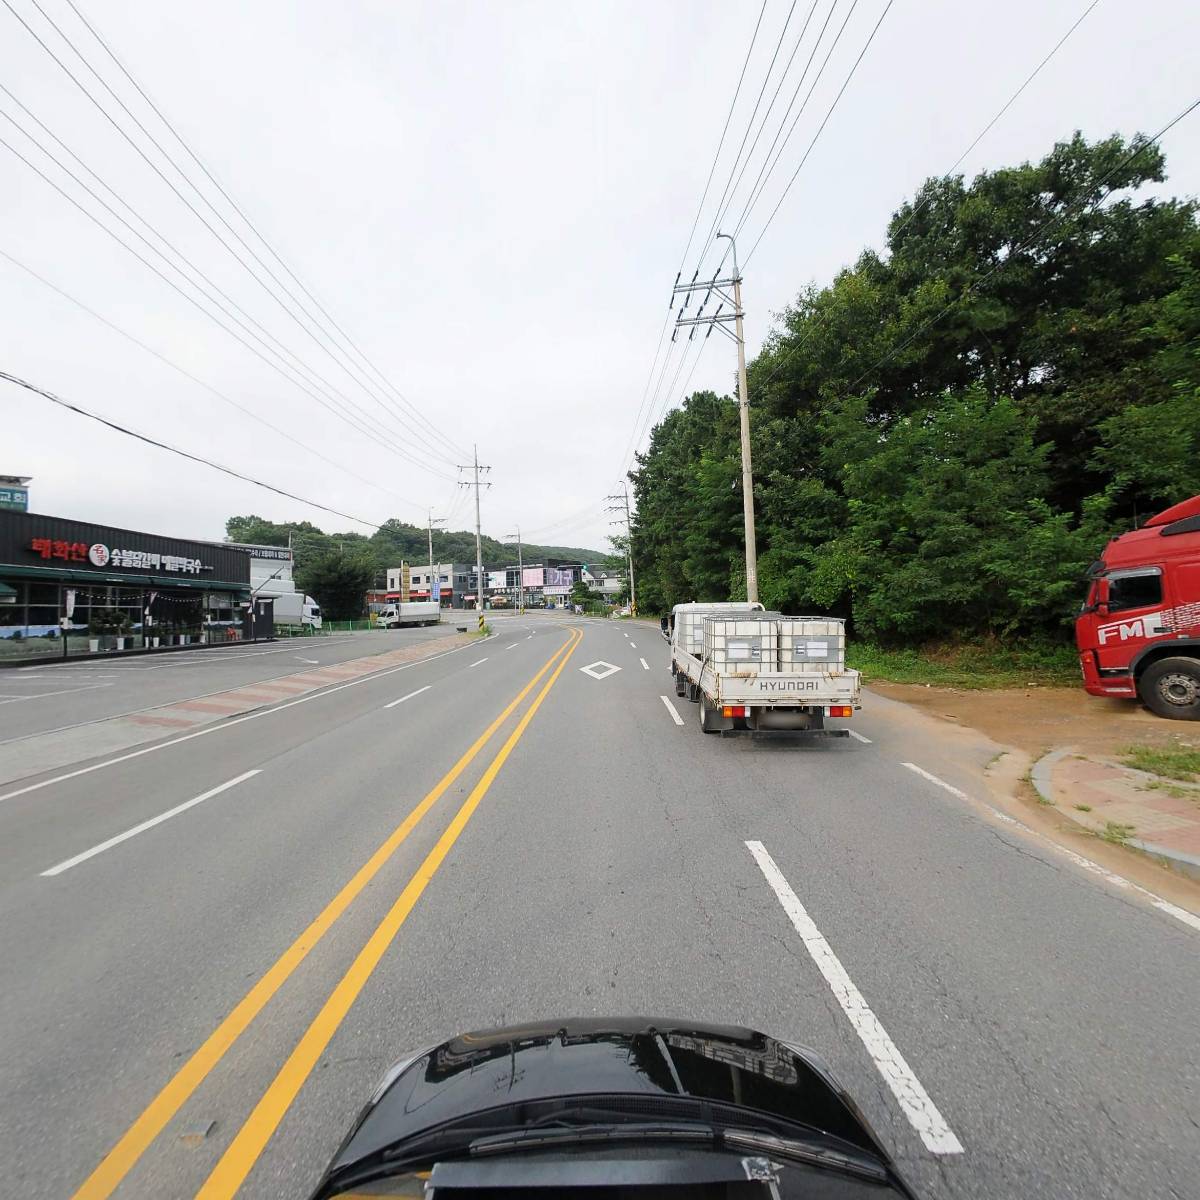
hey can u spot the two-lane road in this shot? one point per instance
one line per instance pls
(253, 924)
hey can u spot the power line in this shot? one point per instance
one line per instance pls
(250, 224)
(768, 162)
(303, 384)
(1007, 105)
(155, 168)
(278, 349)
(775, 96)
(141, 437)
(708, 238)
(1058, 45)
(662, 333)
(200, 382)
(1045, 227)
(820, 129)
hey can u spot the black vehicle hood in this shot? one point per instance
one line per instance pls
(630, 1058)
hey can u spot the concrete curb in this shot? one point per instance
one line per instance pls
(1041, 776)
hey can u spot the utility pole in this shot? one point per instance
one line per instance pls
(718, 321)
(520, 570)
(476, 468)
(624, 504)
(432, 523)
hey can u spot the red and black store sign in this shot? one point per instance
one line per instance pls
(63, 547)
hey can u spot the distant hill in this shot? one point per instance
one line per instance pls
(395, 541)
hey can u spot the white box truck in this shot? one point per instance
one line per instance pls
(415, 612)
(761, 673)
(295, 608)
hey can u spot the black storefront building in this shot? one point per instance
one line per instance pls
(70, 588)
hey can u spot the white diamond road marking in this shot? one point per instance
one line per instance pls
(600, 670)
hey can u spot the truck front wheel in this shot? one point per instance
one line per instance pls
(1171, 688)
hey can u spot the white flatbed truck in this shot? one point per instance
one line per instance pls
(759, 673)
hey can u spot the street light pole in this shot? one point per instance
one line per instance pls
(432, 523)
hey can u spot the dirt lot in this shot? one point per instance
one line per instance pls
(1038, 719)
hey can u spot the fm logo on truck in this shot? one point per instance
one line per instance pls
(1139, 627)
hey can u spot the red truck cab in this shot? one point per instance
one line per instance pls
(1138, 632)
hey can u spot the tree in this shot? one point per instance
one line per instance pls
(948, 431)
(338, 581)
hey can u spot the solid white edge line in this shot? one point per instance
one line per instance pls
(124, 837)
(934, 779)
(1086, 864)
(252, 716)
(855, 734)
(409, 696)
(671, 709)
(912, 1097)
(645, 664)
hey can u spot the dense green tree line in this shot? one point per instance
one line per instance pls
(935, 474)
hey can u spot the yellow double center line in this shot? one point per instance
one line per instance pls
(243, 1152)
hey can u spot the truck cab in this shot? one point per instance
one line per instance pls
(1138, 632)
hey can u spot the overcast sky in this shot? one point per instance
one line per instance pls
(492, 200)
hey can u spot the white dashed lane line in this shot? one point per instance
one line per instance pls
(671, 709)
(645, 664)
(124, 837)
(858, 736)
(913, 1099)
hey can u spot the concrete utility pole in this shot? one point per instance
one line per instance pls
(520, 570)
(432, 523)
(624, 505)
(478, 532)
(718, 321)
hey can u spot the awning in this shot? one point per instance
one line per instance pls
(7, 594)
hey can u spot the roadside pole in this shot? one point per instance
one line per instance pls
(520, 571)
(623, 505)
(744, 423)
(432, 523)
(476, 468)
(721, 320)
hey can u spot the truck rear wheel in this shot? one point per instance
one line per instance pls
(708, 721)
(1171, 688)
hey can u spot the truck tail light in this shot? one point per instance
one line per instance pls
(840, 710)
(733, 710)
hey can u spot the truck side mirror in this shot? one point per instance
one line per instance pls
(664, 625)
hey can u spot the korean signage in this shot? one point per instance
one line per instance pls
(533, 577)
(14, 499)
(100, 555)
(61, 546)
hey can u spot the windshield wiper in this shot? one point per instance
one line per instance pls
(817, 1156)
(574, 1135)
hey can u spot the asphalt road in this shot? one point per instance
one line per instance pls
(207, 1003)
(56, 694)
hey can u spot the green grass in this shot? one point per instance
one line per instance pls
(1084, 807)
(1116, 833)
(1171, 764)
(971, 666)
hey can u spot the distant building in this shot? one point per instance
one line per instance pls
(455, 583)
